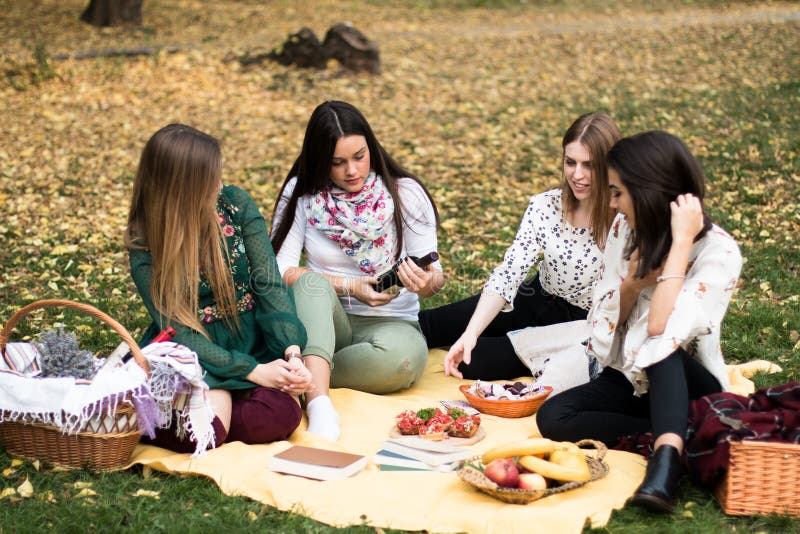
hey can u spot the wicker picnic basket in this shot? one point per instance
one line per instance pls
(506, 407)
(471, 472)
(763, 478)
(107, 441)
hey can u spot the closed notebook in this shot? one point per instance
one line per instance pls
(319, 464)
(392, 461)
(429, 452)
(387, 467)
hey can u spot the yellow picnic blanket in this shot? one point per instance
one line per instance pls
(436, 502)
(432, 501)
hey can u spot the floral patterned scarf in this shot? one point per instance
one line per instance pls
(361, 223)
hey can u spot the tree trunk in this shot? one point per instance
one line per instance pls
(112, 12)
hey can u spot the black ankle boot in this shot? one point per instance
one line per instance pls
(660, 487)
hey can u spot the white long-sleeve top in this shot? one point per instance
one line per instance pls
(694, 324)
(570, 258)
(324, 256)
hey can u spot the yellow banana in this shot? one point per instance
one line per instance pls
(529, 447)
(520, 448)
(570, 459)
(560, 445)
(574, 472)
(568, 446)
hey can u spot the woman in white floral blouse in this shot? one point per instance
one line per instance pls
(563, 230)
(667, 279)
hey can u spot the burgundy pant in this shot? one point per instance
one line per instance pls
(258, 415)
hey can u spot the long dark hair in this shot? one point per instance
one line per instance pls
(655, 167)
(329, 122)
(597, 132)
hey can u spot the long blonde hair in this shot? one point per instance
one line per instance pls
(173, 215)
(597, 132)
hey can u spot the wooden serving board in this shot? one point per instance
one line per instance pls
(448, 440)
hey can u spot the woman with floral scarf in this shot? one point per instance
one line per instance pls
(354, 212)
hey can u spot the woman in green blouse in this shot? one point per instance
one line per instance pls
(202, 262)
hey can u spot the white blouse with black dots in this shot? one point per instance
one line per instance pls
(569, 259)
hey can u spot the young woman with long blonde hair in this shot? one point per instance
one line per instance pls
(202, 262)
(563, 231)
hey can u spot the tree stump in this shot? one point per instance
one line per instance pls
(352, 49)
(112, 12)
(302, 49)
(343, 43)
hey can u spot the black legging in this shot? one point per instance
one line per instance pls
(493, 357)
(606, 409)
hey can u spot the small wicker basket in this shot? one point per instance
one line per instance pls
(763, 478)
(506, 407)
(471, 473)
(109, 439)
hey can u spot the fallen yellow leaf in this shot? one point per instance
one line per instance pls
(25, 489)
(8, 492)
(147, 493)
(86, 492)
(82, 484)
(251, 515)
(59, 250)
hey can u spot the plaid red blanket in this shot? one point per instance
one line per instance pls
(769, 414)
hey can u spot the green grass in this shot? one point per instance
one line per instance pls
(79, 501)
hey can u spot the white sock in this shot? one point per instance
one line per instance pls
(323, 420)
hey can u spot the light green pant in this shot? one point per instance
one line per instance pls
(372, 354)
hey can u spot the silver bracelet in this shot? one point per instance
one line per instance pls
(346, 287)
(293, 354)
(668, 276)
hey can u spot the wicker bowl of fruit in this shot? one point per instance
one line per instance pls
(524, 471)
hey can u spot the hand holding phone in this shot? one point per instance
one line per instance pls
(390, 278)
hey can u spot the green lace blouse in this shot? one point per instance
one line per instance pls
(267, 316)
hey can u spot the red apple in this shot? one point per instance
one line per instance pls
(503, 472)
(532, 481)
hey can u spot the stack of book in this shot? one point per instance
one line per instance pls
(412, 453)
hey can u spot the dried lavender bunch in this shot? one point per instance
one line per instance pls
(61, 356)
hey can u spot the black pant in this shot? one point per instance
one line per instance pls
(606, 409)
(493, 357)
